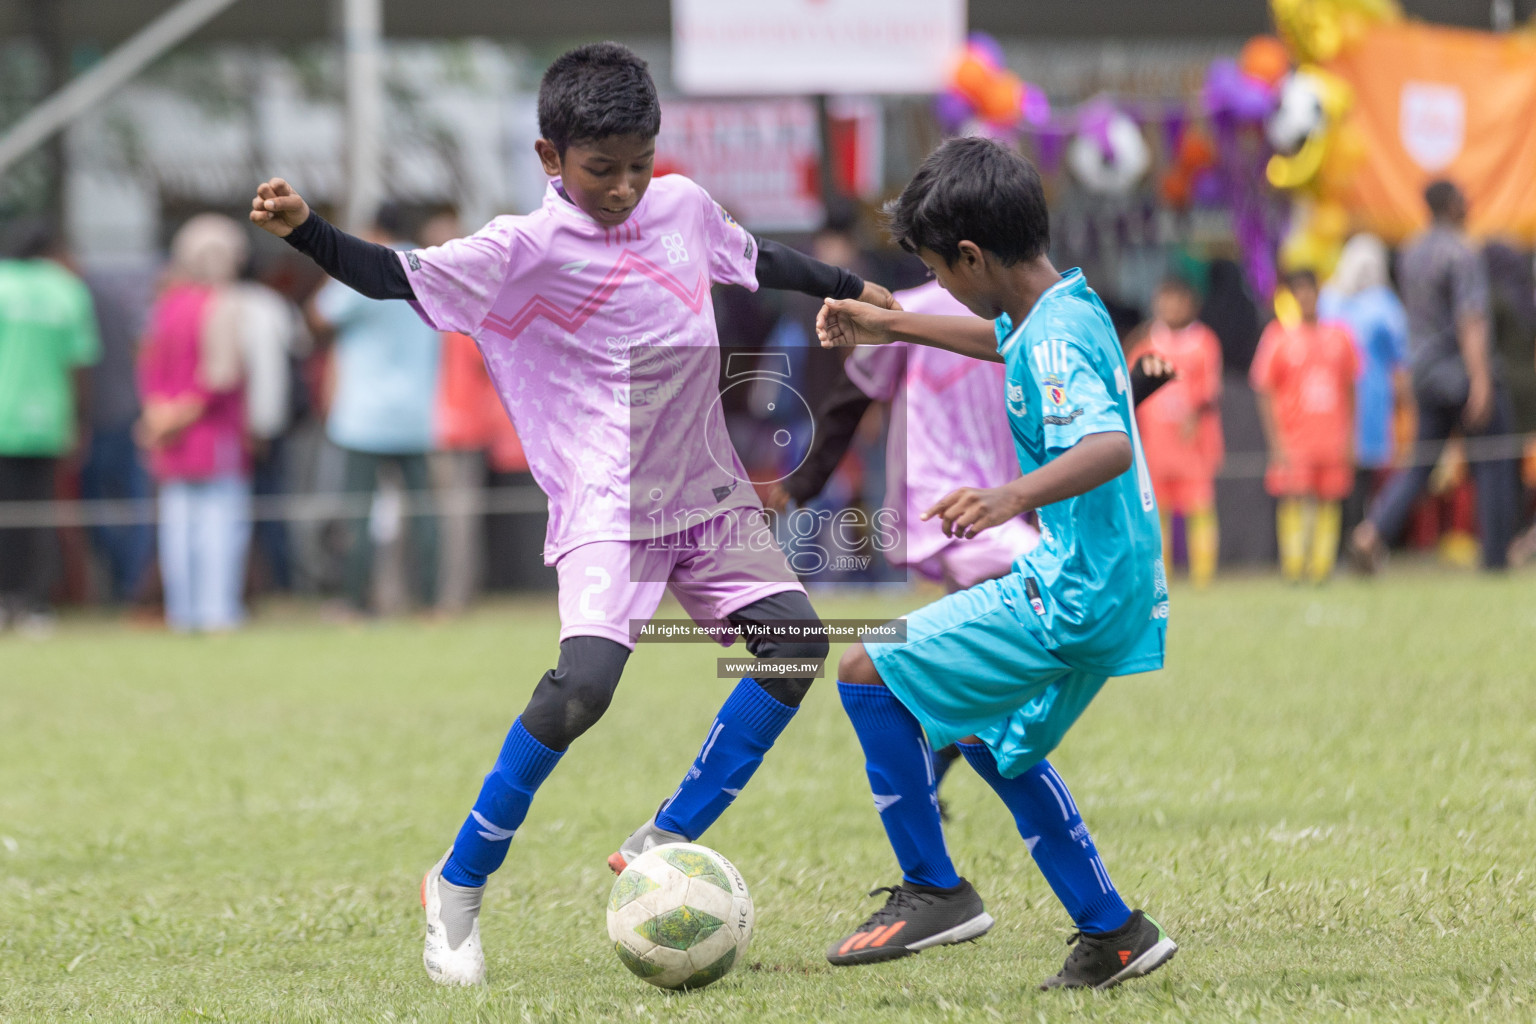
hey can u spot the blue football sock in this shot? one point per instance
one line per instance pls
(1058, 840)
(899, 764)
(748, 723)
(482, 842)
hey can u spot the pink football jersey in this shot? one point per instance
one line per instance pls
(602, 344)
(955, 430)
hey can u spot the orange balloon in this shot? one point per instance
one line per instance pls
(1195, 151)
(1003, 101)
(1176, 189)
(1266, 59)
(973, 79)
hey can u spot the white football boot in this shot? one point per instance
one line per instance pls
(646, 837)
(447, 964)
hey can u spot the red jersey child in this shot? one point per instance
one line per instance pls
(1304, 376)
(1181, 426)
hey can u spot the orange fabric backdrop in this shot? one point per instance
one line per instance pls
(1435, 102)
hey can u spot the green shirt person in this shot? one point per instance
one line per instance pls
(47, 331)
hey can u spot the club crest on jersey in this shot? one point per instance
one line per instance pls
(1057, 393)
(1016, 403)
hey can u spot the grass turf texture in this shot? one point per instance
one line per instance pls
(1327, 799)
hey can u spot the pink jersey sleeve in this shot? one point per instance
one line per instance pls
(456, 283)
(878, 370)
(732, 251)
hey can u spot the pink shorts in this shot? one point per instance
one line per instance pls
(610, 588)
(962, 564)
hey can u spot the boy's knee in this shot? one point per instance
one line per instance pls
(855, 666)
(571, 697)
(785, 689)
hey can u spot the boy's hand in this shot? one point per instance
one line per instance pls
(278, 208)
(971, 510)
(843, 323)
(878, 295)
(1155, 367)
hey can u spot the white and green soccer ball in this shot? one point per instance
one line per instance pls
(680, 916)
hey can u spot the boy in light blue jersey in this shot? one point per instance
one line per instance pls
(1006, 667)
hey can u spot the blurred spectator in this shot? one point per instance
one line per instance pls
(1360, 296)
(114, 467)
(1445, 287)
(1230, 311)
(1181, 426)
(385, 379)
(47, 336)
(1304, 376)
(272, 339)
(191, 374)
(1512, 304)
(1512, 288)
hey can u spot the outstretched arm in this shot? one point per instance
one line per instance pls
(1095, 460)
(785, 269)
(843, 322)
(365, 267)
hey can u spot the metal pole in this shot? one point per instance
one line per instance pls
(58, 110)
(362, 35)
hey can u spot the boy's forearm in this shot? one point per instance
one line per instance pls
(964, 335)
(784, 269)
(366, 267)
(1092, 462)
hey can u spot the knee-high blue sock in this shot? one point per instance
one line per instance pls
(748, 723)
(1058, 840)
(899, 764)
(482, 842)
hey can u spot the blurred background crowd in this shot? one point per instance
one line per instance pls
(1321, 212)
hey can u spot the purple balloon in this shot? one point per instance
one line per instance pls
(1037, 107)
(1050, 145)
(1207, 190)
(952, 110)
(1228, 93)
(988, 47)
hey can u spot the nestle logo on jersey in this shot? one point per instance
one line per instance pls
(640, 396)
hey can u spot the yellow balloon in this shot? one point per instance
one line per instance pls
(1316, 30)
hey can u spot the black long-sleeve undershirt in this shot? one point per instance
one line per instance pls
(374, 270)
(366, 267)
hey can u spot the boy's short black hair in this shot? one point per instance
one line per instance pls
(1301, 275)
(594, 92)
(973, 190)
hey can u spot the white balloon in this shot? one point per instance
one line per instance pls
(1126, 162)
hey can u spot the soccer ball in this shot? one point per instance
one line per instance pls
(1299, 115)
(680, 916)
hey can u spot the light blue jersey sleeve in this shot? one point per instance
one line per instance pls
(1075, 397)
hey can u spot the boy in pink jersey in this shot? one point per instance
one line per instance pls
(593, 314)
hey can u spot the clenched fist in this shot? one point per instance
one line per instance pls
(278, 208)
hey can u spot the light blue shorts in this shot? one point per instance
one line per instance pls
(972, 665)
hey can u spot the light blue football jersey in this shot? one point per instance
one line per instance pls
(1096, 580)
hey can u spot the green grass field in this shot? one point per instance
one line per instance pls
(1328, 798)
